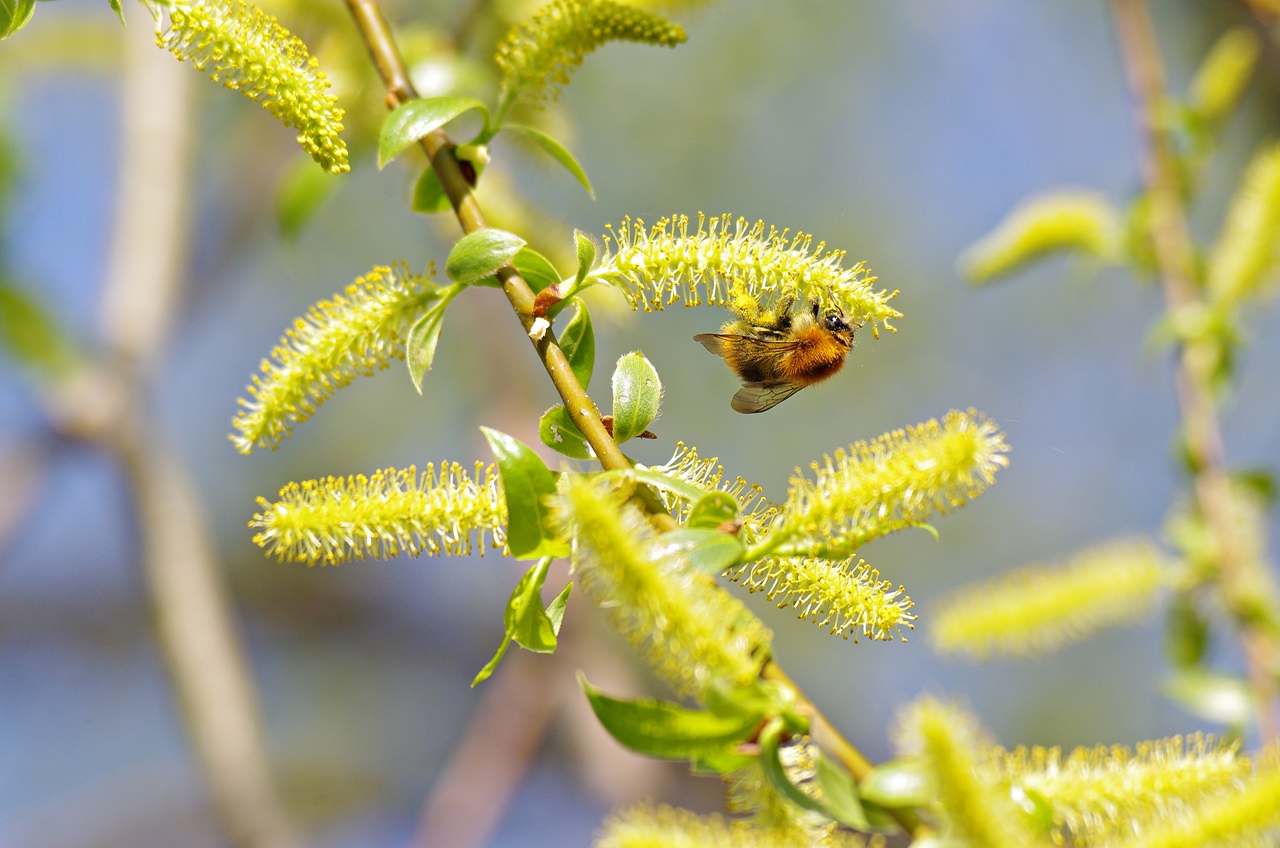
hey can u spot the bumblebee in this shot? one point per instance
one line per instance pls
(780, 353)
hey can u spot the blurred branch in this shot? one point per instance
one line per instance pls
(1175, 257)
(23, 468)
(108, 404)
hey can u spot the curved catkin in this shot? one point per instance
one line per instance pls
(357, 332)
(896, 481)
(1074, 219)
(690, 631)
(1105, 792)
(339, 519)
(1243, 261)
(1039, 609)
(847, 598)
(247, 50)
(538, 56)
(736, 264)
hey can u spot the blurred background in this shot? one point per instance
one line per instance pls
(900, 132)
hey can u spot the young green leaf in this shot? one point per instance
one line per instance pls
(30, 333)
(840, 793)
(526, 483)
(667, 730)
(557, 152)
(302, 192)
(14, 15)
(558, 432)
(555, 609)
(424, 335)
(1186, 633)
(578, 341)
(412, 120)
(896, 784)
(115, 7)
(480, 254)
(776, 773)
(586, 250)
(428, 195)
(637, 393)
(701, 549)
(526, 618)
(536, 270)
(489, 667)
(712, 510)
(1213, 696)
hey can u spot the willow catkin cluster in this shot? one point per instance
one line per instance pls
(1039, 609)
(707, 474)
(538, 56)
(847, 598)
(690, 631)
(357, 332)
(247, 50)
(338, 519)
(1106, 792)
(898, 480)
(1224, 74)
(1074, 219)
(649, 826)
(736, 264)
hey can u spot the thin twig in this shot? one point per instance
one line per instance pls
(387, 58)
(1176, 259)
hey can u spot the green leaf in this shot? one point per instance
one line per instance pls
(558, 152)
(703, 550)
(536, 270)
(578, 341)
(412, 120)
(302, 192)
(586, 250)
(480, 254)
(555, 609)
(712, 510)
(424, 335)
(896, 784)
(14, 15)
(526, 618)
(428, 195)
(115, 7)
(1222, 698)
(928, 528)
(637, 393)
(489, 667)
(667, 730)
(840, 793)
(558, 432)
(721, 762)
(526, 483)
(1186, 633)
(29, 332)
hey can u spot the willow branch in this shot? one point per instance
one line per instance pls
(1175, 257)
(395, 76)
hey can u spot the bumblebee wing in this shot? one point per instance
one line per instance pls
(714, 342)
(758, 397)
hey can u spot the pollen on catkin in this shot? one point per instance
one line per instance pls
(896, 481)
(690, 631)
(1243, 261)
(539, 55)
(735, 264)
(848, 598)
(339, 519)
(1074, 219)
(946, 741)
(1249, 815)
(247, 50)
(357, 332)
(1106, 792)
(649, 826)
(1039, 609)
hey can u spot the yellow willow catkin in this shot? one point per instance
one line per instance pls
(247, 50)
(1247, 816)
(357, 332)
(755, 512)
(1104, 792)
(648, 826)
(899, 480)
(736, 264)
(690, 631)
(538, 56)
(338, 519)
(848, 598)
(1224, 74)
(946, 739)
(1039, 609)
(1074, 219)
(1243, 261)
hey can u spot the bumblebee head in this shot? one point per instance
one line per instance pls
(834, 322)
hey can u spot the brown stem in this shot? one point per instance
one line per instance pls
(1176, 259)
